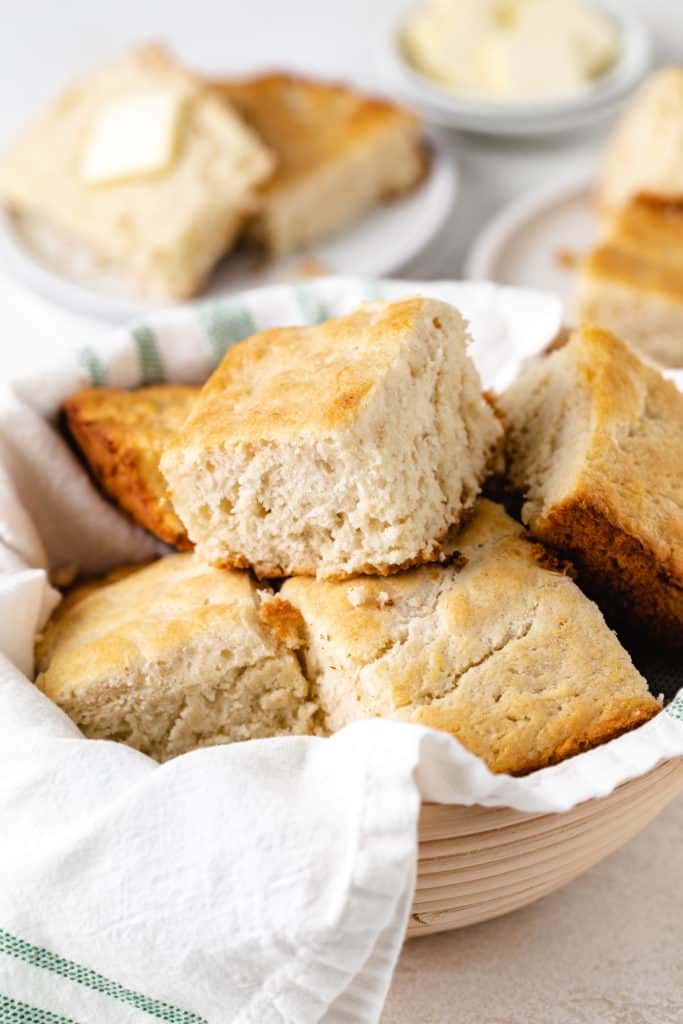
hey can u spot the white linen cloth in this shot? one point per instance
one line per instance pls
(261, 882)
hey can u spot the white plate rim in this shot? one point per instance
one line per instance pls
(496, 233)
(442, 186)
(526, 119)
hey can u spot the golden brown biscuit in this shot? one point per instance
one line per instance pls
(632, 282)
(122, 435)
(163, 231)
(653, 228)
(338, 154)
(498, 649)
(173, 656)
(351, 446)
(644, 155)
(595, 446)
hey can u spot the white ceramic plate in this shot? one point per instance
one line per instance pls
(522, 243)
(378, 245)
(598, 101)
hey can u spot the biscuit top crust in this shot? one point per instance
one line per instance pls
(652, 227)
(623, 265)
(146, 413)
(364, 616)
(645, 153)
(309, 123)
(308, 382)
(499, 648)
(147, 613)
(122, 435)
(282, 618)
(632, 468)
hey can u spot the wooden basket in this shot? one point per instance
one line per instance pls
(476, 862)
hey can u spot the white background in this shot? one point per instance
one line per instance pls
(608, 949)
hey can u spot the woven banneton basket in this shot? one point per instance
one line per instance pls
(477, 862)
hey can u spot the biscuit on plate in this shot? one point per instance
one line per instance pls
(595, 447)
(497, 648)
(632, 282)
(173, 656)
(145, 167)
(652, 228)
(339, 153)
(349, 447)
(122, 435)
(644, 155)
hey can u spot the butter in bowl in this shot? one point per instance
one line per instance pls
(517, 66)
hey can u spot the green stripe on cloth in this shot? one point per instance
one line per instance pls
(94, 366)
(675, 708)
(311, 305)
(14, 1012)
(151, 366)
(43, 958)
(226, 323)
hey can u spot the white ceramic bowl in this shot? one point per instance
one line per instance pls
(603, 98)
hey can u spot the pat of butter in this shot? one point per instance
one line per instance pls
(135, 136)
(514, 51)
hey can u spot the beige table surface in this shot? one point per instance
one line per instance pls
(606, 949)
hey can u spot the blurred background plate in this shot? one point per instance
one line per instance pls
(384, 241)
(600, 100)
(535, 241)
(527, 242)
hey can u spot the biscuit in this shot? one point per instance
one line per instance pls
(595, 447)
(339, 153)
(164, 232)
(497, 648)
(644, 155)
(122, 435)
(173, 656)
(349, 447)
(632, 282)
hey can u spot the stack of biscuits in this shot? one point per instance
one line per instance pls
(339, 562)
(632, 281)
(153, 174)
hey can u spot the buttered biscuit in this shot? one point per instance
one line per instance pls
(143, 165)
